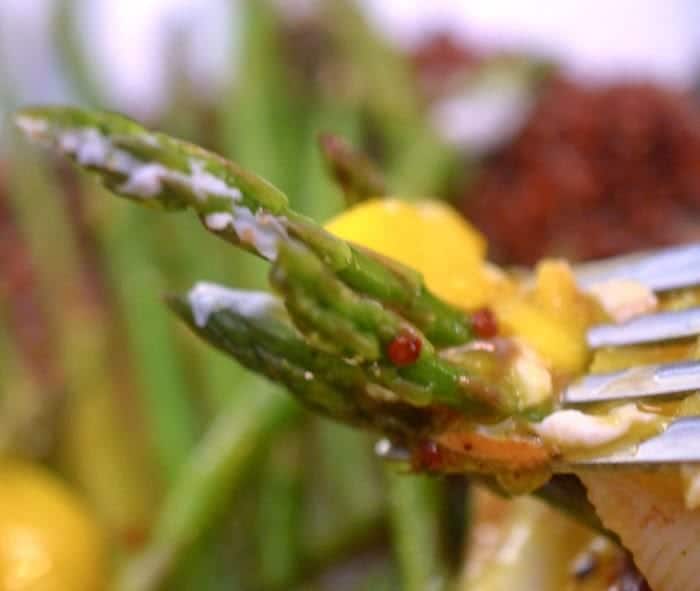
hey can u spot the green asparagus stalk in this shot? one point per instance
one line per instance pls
(234, 204)
(345, 298)
(75, 60)
(159, 373)
(256, 331)
(138, 260)
(268, 343)
(318, 195)
(279, 531)
(370, 296)
(196, 499)
(417, 160)
(417, 164)
(338, 320)
(113, 474)
(346, 466)
(414, 516)
(264, 122)
(342, 509)
(262, 119)
(252, 328)
(354, 172)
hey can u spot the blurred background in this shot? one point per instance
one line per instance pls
(558, 128)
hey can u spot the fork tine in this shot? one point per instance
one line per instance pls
(660, 270)
(636, 382)
(391, 452)
(662, 326)
(678, 444)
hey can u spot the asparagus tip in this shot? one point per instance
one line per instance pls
(354, 172)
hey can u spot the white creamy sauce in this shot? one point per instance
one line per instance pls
(573, 428)
(218, 221)
(90, 147)
(260, 230)
(532, 375)
(207, 298)
(624, 299)
(144, 180)
(204, 183)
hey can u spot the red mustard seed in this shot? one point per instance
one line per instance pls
(428, 456)
(484, 323)
(405, 349)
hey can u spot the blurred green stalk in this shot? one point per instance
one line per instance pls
(414, 514)
(279, 528)
(353, 171)
(262, 121)
(135, 247)
(67, 38)
(100, 454)
(162, 385)
(21, 430)
(204, 487)
(418, 159)
(418, 165)
(159, 371)
(263, 127)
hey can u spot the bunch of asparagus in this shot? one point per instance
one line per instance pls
(351, 334)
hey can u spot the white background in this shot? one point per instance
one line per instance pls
(596, 39)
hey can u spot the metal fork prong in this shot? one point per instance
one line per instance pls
(662, 326)
(660, 270)
(678, 444)
(636, 382)
(391, 452)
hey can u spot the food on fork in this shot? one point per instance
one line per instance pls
(392, 320)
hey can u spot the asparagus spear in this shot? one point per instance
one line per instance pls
(358, 311)
(368, 295)
(356, 174)
(238, 206)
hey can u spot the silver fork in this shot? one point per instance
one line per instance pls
(659, 270)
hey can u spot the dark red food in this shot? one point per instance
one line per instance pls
(405, 349)
(441, 62)
(594, 172)
(427, 456)
(27, 321)
(484, 323)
